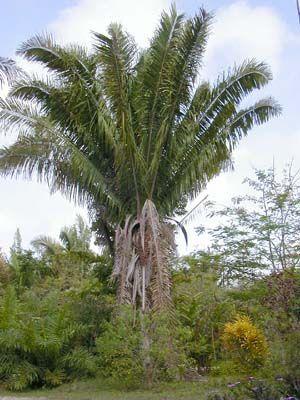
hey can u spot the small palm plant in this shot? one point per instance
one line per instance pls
(72, 253)
(131, 134)
(74, 239)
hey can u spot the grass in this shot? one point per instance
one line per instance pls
(95, 389)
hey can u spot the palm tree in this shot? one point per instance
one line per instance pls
(74, 239)
(71, 254)
(72, 250)
(130, 133)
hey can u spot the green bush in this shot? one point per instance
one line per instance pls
(119, 349)
(40, 342)
(202, 309)
(284, 362)
(136, 350)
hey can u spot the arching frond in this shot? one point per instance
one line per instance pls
(68, 62)
(52, 155)
(210, 153)
(31, 88)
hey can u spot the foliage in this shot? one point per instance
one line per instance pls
(5, 271)
(52, 308)
(202, 309)
(40, 341)
(245, 342)
(284, 361)
(64, 325)
(26, 268)
(283, 299)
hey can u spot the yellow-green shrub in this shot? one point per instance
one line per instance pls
(245, 343)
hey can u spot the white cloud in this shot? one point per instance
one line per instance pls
(139, 18)
(240, 32)
(29, 207)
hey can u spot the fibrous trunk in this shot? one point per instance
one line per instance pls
(143, 249)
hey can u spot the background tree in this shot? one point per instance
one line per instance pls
(130, 131)
(261, 231)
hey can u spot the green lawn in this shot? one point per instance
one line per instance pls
(97, 390)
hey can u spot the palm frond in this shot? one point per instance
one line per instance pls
(116, 59)
(46, 245)
(155, 74)
(32, 88)
(8, 70)
(51, 154)
(67, 62)
(206, 158)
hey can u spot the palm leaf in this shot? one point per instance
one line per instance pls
(8, 70)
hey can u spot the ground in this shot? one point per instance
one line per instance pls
(97, 390)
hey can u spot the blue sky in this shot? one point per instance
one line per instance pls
(264, 29)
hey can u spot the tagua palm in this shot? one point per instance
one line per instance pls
(130, 133)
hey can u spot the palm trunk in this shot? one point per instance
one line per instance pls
(144, 247)
(146, 348)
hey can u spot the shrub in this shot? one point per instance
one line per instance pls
(119, 349)
(284, 362)
(136, 349)
(40, 342)
(245, 343)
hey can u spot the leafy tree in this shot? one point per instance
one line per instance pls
(261, 231)
(24, 266)
(129, 132)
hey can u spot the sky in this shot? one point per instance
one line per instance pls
(267, 30)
